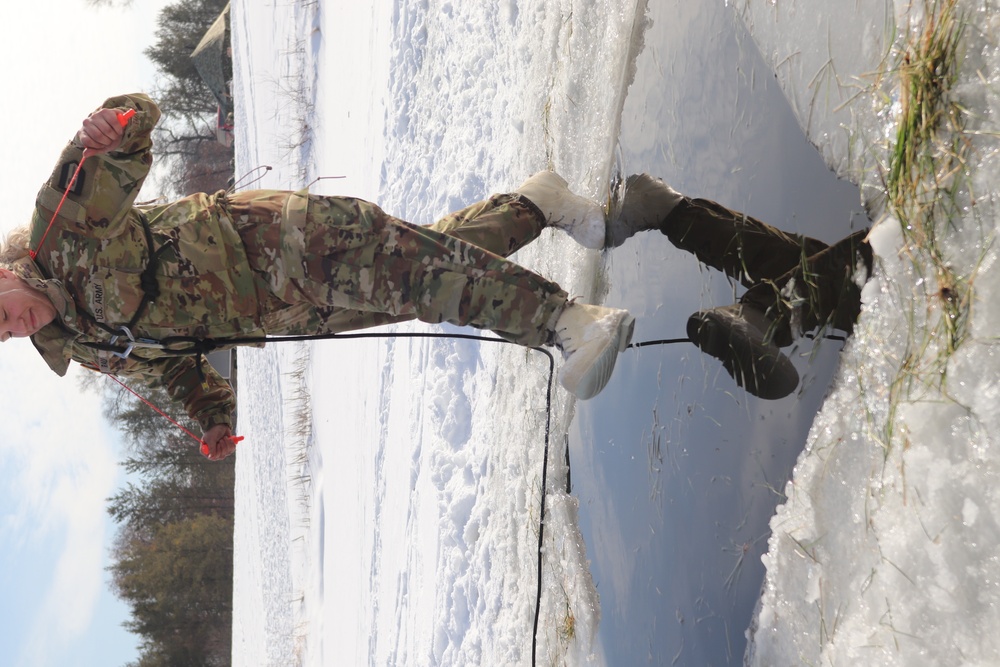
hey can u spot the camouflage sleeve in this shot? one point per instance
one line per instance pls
(136, 141)
(107, 185)
(209, 402)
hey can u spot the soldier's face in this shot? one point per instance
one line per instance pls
(23, 309)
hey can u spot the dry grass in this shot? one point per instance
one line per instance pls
(926, 171)
(926, 183)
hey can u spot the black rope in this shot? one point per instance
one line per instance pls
(200, 347)
(545, 449)
(548, 431)
(541, 517)
(548, 420)
(662, 341)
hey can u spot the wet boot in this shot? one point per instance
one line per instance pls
(583, 219)
(743, 338)
(590, 337)
(646, 203)
(820, 291)
(742, 247)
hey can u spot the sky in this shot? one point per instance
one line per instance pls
(57, 455)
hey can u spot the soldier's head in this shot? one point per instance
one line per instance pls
(23, 309)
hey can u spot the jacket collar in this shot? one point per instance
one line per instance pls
(54, 341)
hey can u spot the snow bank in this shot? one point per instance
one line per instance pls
(886, 550)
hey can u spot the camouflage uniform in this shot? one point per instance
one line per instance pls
(256, 263)
(765, 259)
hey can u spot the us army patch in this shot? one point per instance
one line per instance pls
(97, 296)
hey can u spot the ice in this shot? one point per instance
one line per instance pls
(400, 526)
(883, 524)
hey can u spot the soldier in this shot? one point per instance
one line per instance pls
(135, 290)
(141, 290)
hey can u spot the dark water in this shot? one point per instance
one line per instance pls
(678, 470)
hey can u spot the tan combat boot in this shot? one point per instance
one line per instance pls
(590, 338)
(581, 218)
(645, 205)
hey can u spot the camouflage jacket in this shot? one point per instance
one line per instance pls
(90, 265)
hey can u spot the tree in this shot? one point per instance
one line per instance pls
(186, 139)
(196, 161)
(180, 27)
(172, 559)
(178, 581)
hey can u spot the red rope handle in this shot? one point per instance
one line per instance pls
(204, 445)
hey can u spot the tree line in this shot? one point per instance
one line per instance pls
(172, 556)
(186, 139)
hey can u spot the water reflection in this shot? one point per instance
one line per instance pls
(677, 469)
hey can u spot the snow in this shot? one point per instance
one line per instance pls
(885, 551)
(388, 491)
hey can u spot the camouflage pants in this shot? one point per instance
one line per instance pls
(335, 264)
(765, 260)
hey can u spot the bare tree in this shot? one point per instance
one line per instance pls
(186, 140)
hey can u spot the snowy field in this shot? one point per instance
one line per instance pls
(388, 490)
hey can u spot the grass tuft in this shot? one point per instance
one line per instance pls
(926, 172)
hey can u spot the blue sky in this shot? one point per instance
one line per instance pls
(57, 456)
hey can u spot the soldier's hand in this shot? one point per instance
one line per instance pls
(220, 442)
(101, 132)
